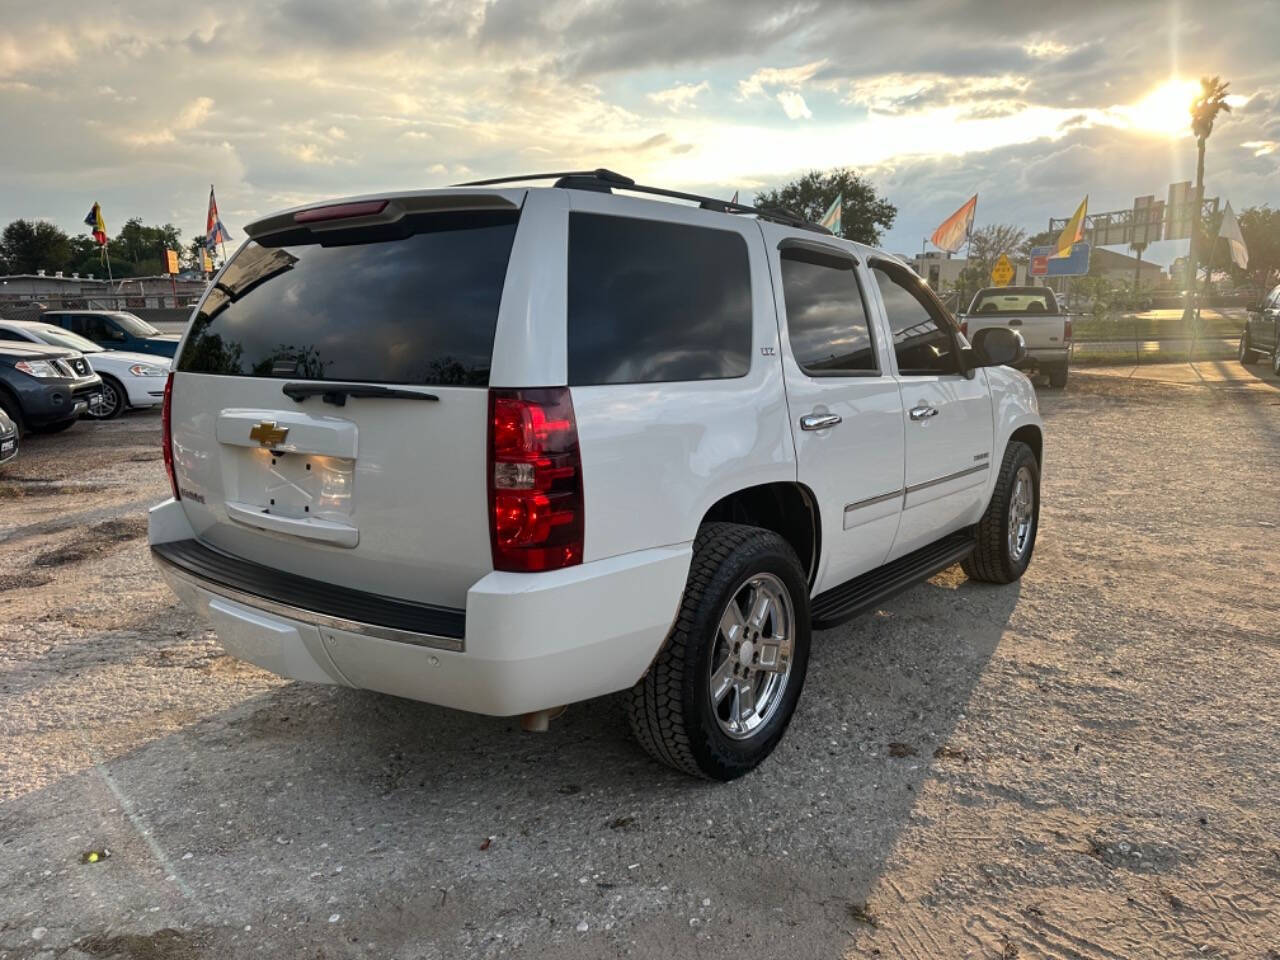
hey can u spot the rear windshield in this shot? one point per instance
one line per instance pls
(415, 302)
(1014, 301)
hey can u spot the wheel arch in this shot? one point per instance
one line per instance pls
(1033, 437)
(788, 508)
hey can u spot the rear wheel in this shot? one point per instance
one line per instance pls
(1247, 353)
(1275, 361)
(114, 400)
(721, 693)
(1007, 531)
(1058, 376)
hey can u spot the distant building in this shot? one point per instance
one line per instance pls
(1117, 266)
(941, 272)
(85, 291)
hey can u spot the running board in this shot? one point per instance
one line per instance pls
(871, 589)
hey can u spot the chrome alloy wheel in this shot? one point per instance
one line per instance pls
(751, 656)
(111, 399)
(1021, 512)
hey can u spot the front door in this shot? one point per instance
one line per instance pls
(844, 403)
(946, 413)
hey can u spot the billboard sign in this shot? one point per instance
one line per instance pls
(1045, 264)
(171, 261)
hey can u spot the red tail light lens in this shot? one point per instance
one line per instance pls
(1066, 336)
(535, 480)
(166, 433)
(964, 327)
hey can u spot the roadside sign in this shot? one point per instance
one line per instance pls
(171, 261)
(1002, 272)
(1045, 264)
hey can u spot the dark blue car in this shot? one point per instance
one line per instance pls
(115, 330)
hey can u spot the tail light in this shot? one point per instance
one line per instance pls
(166, 434)
(535, 480)
(964, 327)
(1066, 333)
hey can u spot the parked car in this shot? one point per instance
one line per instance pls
(1035, 313)
(46, 389)
(1261, 334)
(115, 330)
(128, 379)
(504, 448)
(8, 438)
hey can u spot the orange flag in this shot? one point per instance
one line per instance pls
(954, 231)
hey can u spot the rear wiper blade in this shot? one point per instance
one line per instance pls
(337, 393)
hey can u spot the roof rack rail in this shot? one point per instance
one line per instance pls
(607, 180)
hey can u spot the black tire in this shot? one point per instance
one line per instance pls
(1058, 376)
(1247, 354)
(13, 411)
(993, 559)
(55, 427)
(114, 400)
(1275, 361)
(671, 709)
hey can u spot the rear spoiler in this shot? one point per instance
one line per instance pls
(370, 210)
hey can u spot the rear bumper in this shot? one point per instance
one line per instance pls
(530, 641)
(1047, 357)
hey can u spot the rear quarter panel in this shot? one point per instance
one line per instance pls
(656, 456)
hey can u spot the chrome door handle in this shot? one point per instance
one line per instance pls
(923, 412)
(819, 421)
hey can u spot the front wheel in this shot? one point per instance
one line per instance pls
(1247, 354)
(114, 400)
(1275, 361)
(1007, 531)
(720, 695)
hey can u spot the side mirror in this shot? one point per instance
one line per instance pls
(999, 347)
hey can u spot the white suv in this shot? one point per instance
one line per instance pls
(505, 448)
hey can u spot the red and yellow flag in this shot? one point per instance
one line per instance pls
(95, 223)
(954, 231)
(1074, 231)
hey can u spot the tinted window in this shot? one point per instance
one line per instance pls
(1015, 301)
(651, 301)
(134, 325)
(826, 319)
(413, 302)
(10, 335)
(921, 336)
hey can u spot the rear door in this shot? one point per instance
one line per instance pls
(846, 409)
(1269, 329)
(330, 399)
(946, 413)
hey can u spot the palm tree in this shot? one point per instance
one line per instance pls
(1205, 108)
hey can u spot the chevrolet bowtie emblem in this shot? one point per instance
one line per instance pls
(268, 434)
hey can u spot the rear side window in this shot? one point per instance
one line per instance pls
(414, 302)
(651, 301)
(826, 318)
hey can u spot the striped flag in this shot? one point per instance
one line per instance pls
(953, 232)
(1074, 231)
(214, 231)
(831, 219)
(96, 225)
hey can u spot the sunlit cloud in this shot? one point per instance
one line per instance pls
(793, 105)
(682, 96)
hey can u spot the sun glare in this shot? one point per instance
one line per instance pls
(1166, 109)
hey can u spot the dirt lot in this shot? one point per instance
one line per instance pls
(1083, 765)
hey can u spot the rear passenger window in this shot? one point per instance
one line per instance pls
(826, 317)
(652, 301)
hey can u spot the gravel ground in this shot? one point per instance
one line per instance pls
(1082, 765)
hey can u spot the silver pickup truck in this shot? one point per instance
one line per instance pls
(1034, 313)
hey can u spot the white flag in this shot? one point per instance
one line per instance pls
(1235, 239)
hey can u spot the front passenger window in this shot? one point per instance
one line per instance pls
(922, 338)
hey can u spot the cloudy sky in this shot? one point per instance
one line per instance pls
(141, 105)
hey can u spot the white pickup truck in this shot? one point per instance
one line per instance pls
(1032, 311)
(505, 448)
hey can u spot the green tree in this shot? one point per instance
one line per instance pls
(864, 214)
(985, 246)
(1261, 229)
(1209, 102)
(137, 250)
(30, 245)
